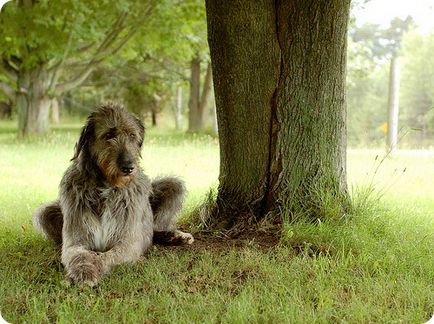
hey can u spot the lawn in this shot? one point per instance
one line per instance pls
(375, 265)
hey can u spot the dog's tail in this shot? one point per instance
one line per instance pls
(48, 220)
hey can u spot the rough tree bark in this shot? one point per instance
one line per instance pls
(393, 104)
(279, 81)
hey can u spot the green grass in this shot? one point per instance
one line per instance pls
(376, 265)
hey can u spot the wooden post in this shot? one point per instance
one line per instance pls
(393, 104)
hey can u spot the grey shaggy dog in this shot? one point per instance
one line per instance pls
(108, 211)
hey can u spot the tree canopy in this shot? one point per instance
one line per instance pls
(49, 48)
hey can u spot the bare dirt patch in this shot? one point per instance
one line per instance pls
(221, 241)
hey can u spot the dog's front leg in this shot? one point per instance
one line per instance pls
(126, 251)
(82, 265)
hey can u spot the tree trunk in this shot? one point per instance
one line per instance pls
(205, 95)
(33, 103)
(393, 104)
(213, 113)
(154, 118)
(280, 107)
(67, 102)
(198, 100)
(194, 116)
(22, 103)
(5, 109)
(214, 126)
(55, 110)
(178, 108)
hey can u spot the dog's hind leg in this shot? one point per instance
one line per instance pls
(48, 220)
(166, 202)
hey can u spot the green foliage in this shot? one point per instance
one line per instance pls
(367, 106)
(130, 51)
(369, 48)
(37, 33)
(383, 43)
(156, 60)
(417, 90)
(181, 30)
(163, 50)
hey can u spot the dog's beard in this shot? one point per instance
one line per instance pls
(113, 175)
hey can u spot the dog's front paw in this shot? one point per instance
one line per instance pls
(184, 238)
(85, 269)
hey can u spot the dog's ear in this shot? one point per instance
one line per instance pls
(141, 130)
(85, 136)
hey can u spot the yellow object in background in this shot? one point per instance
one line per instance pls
(384, 127)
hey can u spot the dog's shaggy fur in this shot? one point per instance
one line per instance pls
(108, 211)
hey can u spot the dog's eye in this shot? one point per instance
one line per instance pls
(109, 135)
(133, 136)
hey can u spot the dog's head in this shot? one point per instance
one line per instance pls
(111, 140)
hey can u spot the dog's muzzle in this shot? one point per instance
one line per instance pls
(126, 164)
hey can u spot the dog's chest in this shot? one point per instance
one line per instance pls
(112, 215)
(106, 224)
(104, 230)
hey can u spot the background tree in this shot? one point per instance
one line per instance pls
(199, 99)
(367, 81)
(281, 108)
(49, 48)
(177, 47)
(157, 58)
(417, 95)
(382, 45)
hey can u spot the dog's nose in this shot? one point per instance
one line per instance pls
(127, 169)
(125, 162)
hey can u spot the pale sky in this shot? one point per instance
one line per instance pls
(383, 11)
(2, 2)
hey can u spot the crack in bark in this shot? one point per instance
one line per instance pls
(266, 203)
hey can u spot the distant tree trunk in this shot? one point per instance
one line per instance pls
(5, 109)
(55, 111)
(205, 95)
(393, 104)
(33, 103)
(280, 107)
(194, 116)
(178, 108)
(154, 117)
(67, 102)
(214, 119)
(156, 103)
(198, 100)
